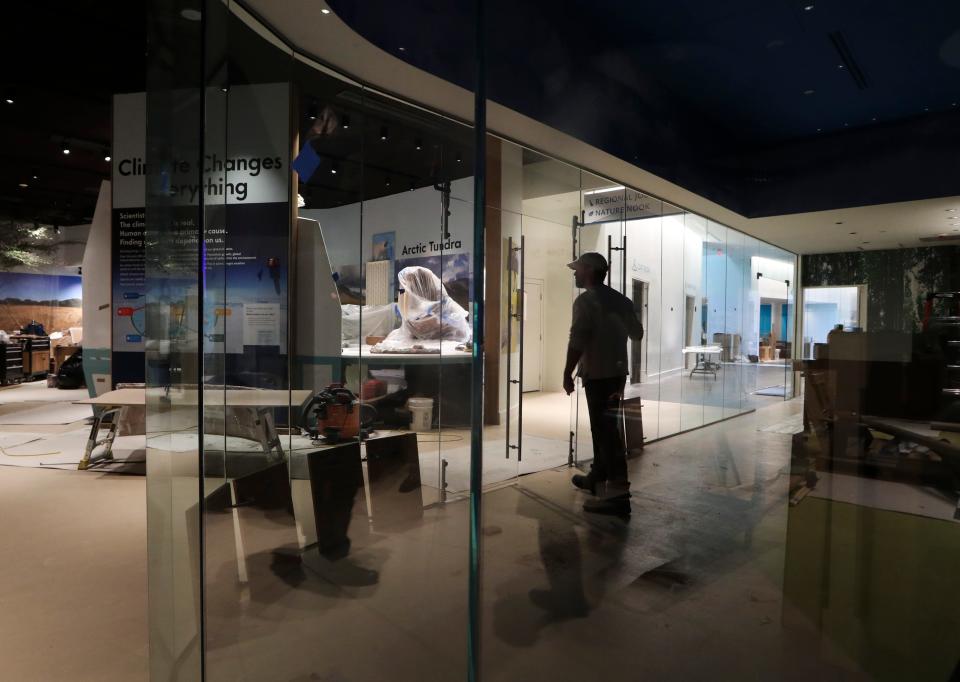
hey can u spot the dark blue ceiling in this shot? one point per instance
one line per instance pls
(735, 100)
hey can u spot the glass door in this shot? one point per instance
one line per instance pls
(550, 204)
(601, 230)
(643, 286)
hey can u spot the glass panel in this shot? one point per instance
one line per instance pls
(698, 362)
(173, 364)
(506, 165)
(733, 358)
(601, 231)
(551, 202)
(642, 241)
(337, 374)
(789, 317)
(773, 273)
(715, 259)
(677, 320)
(546, 318)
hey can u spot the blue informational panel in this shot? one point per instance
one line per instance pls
(245, 187)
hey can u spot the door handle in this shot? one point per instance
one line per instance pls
(511, 316)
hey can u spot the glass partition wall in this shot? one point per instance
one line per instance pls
(310, 273)
(311, 290)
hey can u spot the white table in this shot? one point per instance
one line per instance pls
(112, 404)
(704, 364)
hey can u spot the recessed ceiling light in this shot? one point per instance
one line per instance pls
(951, 210)
(191, 14)
(324, 10)
(23, 184)
(403, 49)
(839, 66)
(8, 100)
(819, 130)
(874, 118)
(66, 149)
(107, 158)
(845, 125)
(807, 8)
(809, 92)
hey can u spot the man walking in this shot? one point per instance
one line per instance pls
(603, 320)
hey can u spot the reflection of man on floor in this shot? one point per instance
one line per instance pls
(603, 320)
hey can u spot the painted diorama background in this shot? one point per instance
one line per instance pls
(897, 280)
(52, 300)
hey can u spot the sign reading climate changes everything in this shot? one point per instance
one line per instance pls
(252, 171)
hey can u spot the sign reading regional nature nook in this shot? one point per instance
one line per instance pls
(619, 203)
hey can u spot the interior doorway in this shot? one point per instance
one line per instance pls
(690, 313)
(824, 308)
(639, 359)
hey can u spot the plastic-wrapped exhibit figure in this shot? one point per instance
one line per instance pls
(429, 315)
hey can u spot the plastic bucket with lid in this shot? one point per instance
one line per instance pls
(422, 411)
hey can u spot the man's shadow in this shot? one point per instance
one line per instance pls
(563, 538)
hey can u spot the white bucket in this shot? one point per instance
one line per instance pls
(422, 411)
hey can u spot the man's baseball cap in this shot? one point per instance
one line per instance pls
(591, 260)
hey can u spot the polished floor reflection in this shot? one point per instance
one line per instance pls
(714, 573)
(698, 567)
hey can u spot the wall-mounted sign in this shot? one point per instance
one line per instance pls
(246, 174)
(618, 203)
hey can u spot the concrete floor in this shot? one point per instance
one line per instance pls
(692, 586)
(73, 602)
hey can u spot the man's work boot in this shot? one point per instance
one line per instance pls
(613, 497)
(585, 482)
